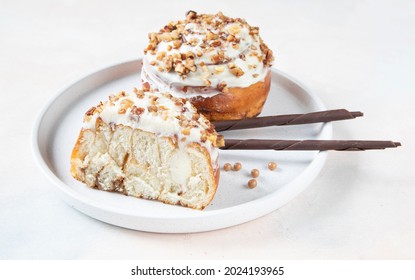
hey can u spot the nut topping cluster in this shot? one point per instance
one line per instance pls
(174, 109)
(210, 36)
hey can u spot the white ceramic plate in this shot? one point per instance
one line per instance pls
(57, 127)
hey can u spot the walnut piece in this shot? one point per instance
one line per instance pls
(124, 105)
(152, 108)
(223, 87)
(191, 15)
(190, 64)
(90, 112)
(168, 63)
(177, 44)
(136, 112)
(146, 87)
(235, 70)
(180, 69)
(217, 58)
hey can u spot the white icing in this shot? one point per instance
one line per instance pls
(165, 123)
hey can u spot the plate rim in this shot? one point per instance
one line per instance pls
(317, 162)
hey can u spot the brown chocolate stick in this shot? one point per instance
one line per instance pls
(292, 119)
(310, 145)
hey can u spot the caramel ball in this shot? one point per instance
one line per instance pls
(237, 166)
(272, 165)
(227, 166)
(252, 183)
(254, 173)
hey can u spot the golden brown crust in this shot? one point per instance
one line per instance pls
(214, 171)
(77, 155)
(237, 103)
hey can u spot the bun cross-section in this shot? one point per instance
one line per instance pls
(148, 145)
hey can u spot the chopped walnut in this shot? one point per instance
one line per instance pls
(124, 105)
(154, 100)
(203, 138)
(136, 112)
(90, 112)
(178, 101)
(146, 87)
(220, 140)
(221, 16)
(191, 15)
(153, 38)
(139, 93)
(234, 29)
(253, 30)
(186, 131)
(235, 70)
(169, 27)
(175, 34)
(216, 43)
(160, 55)
(195, 116)
(230, 38)
(177, 44)
(181, 118)
(180, 69)
(268, 55)
(190, 54)
(269, 58)
(152, 108)
(255, 75)
(193, 42)
(217, 58)
(113, 98)
(168, 63)
(219, 31)
(219, 69)
(151, 46)
(152, 63)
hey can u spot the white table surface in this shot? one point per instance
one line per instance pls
(358, 55)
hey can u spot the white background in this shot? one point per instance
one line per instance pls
(358, 55)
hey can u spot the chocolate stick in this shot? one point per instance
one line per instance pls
(311, 145)
(278, 120)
